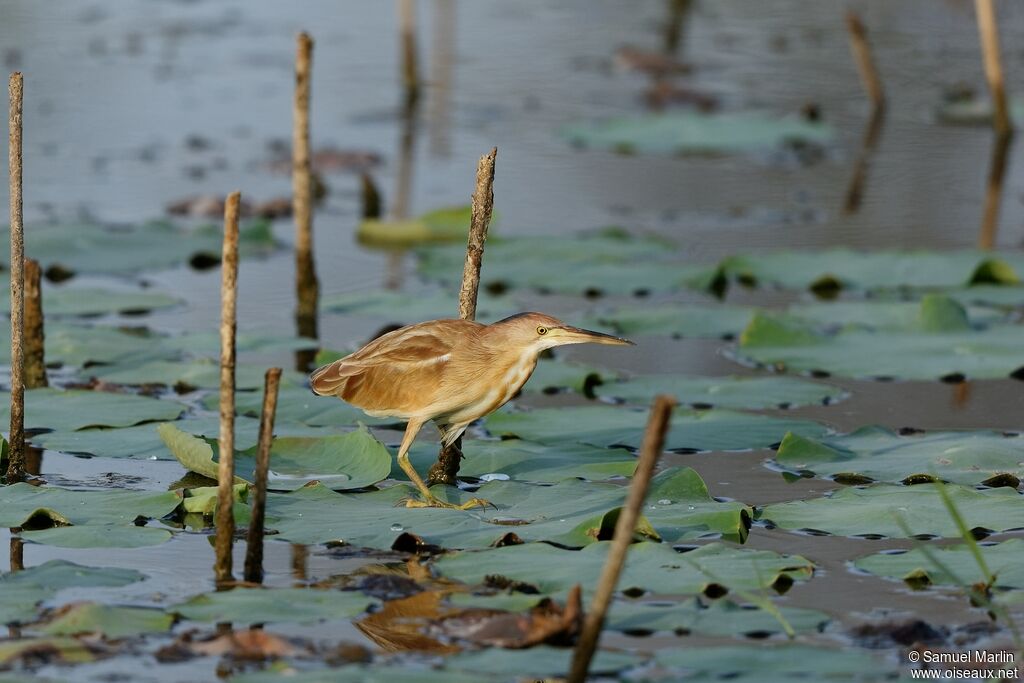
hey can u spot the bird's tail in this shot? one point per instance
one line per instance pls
(327, 380)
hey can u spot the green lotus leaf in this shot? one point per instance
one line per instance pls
(73, 409)
(277, 605)
(34, 507)
(343, 461)
(110, 621)
(199, 373)
(413, 307)
(572, 513)
(877, 453)
(449, 224)
(299, 405)
(99, 536)
(57, 574)
(526, 461)
(724, 392)
(720, 618)
(654, 567)
(602, 425)
(875, 511)
(695, 132)
(918, 569)
(704, 321)
(91, 301)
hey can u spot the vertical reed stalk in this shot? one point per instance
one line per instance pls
(35, 356)
(254, 541)
(989, 32)
(865, 60)
(226, 454)
(446, 468)
(410, 67)
(654, 440)
(306, 284)
(16, 439)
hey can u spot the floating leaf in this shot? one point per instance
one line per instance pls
(414, 306)
(99, 536)
(915, 568)
(199, 374)
(21, 592)
(89, 248)
(873, 511)
(877, 453)
(720, 618)
(277, 605)
(993, 352)
(526, 461)
(724, 392)
(679, 320)
(89, 301)
(299, 405)
(343, 461)
(695, 132)
(551, 376)
(450, 224)
(709, 430)
(830, 269)
(33, 507)
(976, 111)
(53, 649)
(654, 567)
(111, 622)
(572, 513)
(71, 410)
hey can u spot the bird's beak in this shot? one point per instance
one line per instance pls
(575, 335)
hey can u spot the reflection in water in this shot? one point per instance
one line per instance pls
(17, 551)
(676, 24)
(961, 395)
(994, 190)
(300, 555)
(855, 190)
(399, 625)
(410, 70)
(442, 70)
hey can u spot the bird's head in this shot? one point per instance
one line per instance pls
(540, 332)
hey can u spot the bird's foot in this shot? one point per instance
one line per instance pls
(432, 502)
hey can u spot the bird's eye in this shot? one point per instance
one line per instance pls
(542, 330)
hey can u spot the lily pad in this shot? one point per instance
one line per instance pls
(277, 605)
(593, 263)
(679, 320)
(695, 132)
(90, 301)
(720, 618)
(526, 461)
(414, 306)
(99, 536)
(90, 248)
(343, 461)
(60, 649)
(877, 453)
(778, 662)
(449, 224)
(198, 373)
(110, 621)
(71, 410)
(652, 567)
(842, 268)
(976, 111)
(874, 511)
(572, 513)
(724, 392)
(947, 350)
(35, 507)
(22, 591)
(299, 405)
(708, 430)
(550, 376)
(917, 570)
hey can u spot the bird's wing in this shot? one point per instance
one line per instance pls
(386, 359)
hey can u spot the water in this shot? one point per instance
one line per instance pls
(135, 105)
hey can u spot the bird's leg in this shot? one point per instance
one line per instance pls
(429, 499)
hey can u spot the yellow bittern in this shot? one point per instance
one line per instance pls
(450, 371)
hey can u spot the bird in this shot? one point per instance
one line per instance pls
(451, 372)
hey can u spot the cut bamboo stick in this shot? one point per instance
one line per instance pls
(254, 541)
(16, 436)
(989, 32)
(225, 520)
(446, 468)
(865, 60)
(654, 440)
(306, 284)
(35, 355)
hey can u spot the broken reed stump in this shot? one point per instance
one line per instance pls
(16, 438)
(446, 469)
(35, 356)
(994, 190)
(865, 60)
(254, 541)
(225, 521)
(410, 67)
(989, 33)
(306, 285)
(650, 450)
